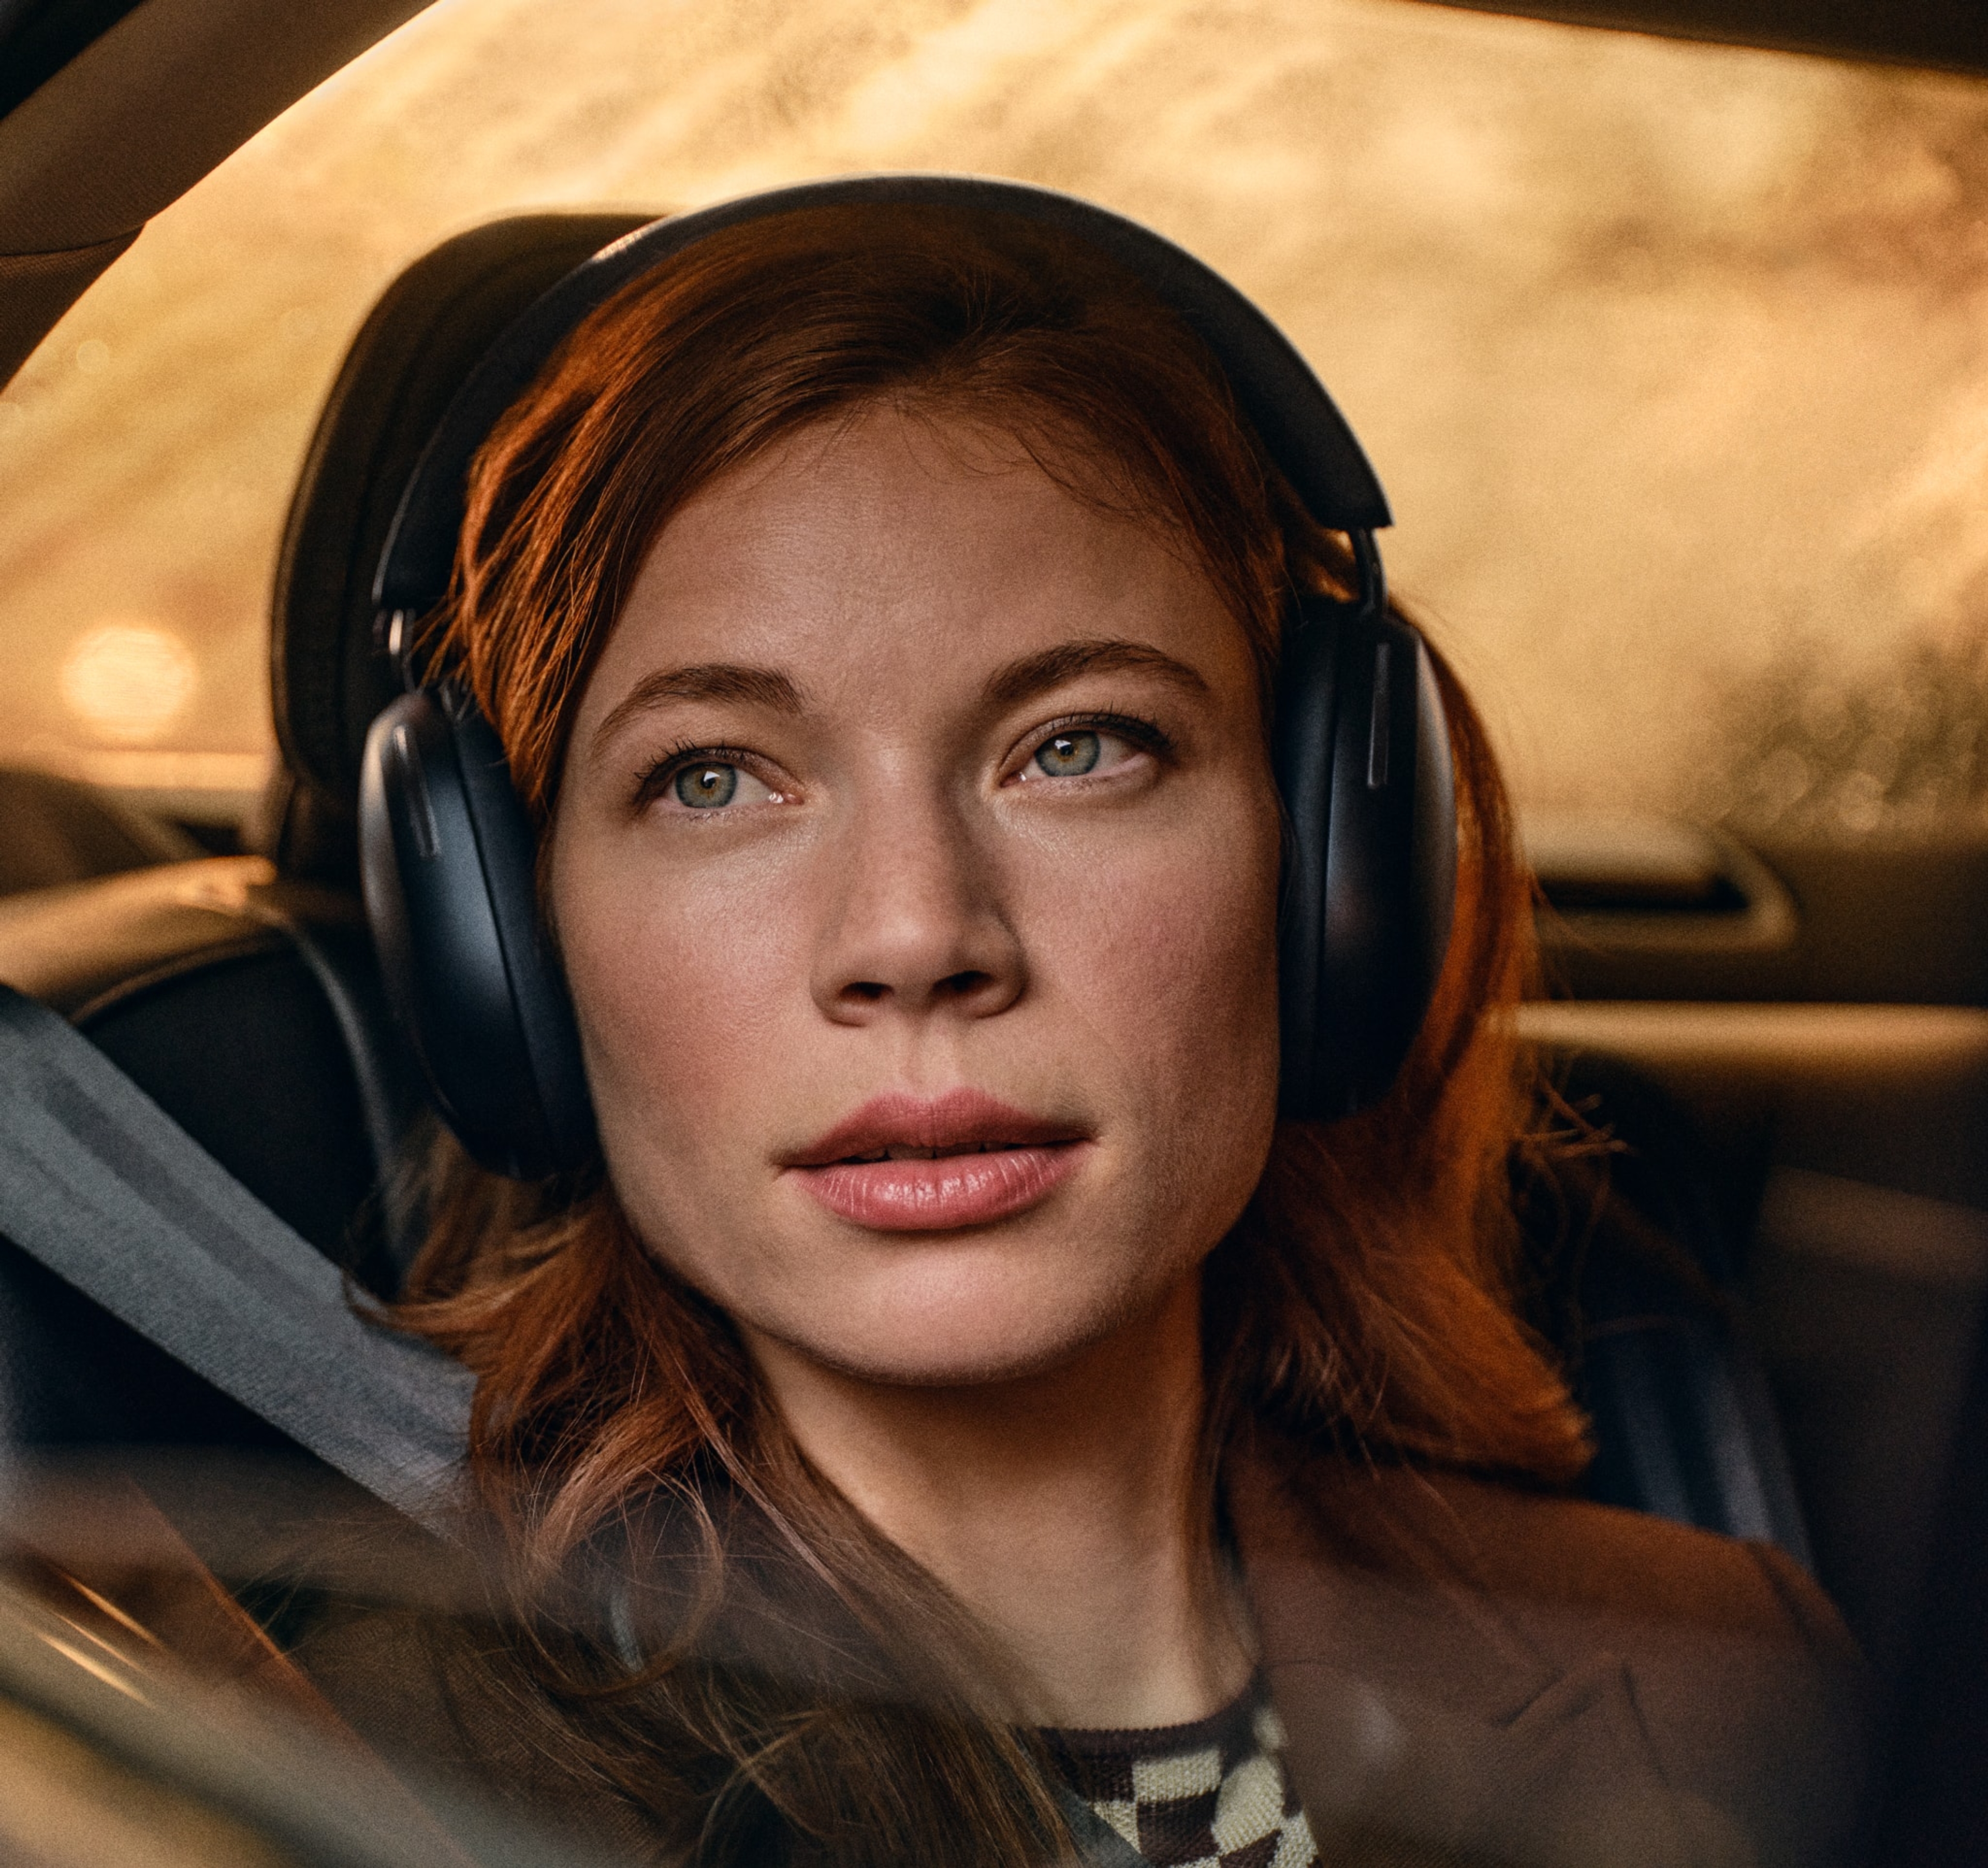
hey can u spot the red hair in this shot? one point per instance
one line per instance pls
(1365, 1299)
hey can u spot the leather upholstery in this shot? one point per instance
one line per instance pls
(1639, 1266)
(249, 1010)
(59, 831)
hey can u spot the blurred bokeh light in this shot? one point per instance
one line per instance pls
(1674, 357)
(127, 682)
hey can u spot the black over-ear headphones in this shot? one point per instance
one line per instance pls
(1360, 744)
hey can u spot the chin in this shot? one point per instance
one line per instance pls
(972, 1332)
(971, 1361)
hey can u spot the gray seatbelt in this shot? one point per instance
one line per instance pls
(100, 1185)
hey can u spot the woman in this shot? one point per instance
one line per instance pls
(955, 1420)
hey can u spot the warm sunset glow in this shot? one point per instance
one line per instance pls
(128, 682)
(1673, 357)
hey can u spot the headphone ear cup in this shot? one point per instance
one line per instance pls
(447, 862)
(1362, 750)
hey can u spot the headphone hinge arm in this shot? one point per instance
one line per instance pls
(1373, 575)
(393, 637)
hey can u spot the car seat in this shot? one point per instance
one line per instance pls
(1632, 1270)
(56, 830)
(241, 993)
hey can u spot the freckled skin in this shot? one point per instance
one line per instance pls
(899, 899)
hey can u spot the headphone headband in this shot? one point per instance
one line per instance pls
(1360, 747)
(1274, 386)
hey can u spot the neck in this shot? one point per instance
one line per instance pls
(1064, 1509)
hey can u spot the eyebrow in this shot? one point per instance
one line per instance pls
(1033, 674)
(711, 681)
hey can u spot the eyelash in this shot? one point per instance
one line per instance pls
(1146, 734)
(655, 780)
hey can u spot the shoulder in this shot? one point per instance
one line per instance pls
(1547, 1557)
(1573, 1559)
(1716, 1670)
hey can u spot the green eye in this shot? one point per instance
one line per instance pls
(1068, 755)
(705, 788)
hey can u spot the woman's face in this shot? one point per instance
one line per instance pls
(914, 867)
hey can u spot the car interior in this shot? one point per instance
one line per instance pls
(1766, 1276)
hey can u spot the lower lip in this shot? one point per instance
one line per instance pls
(939, 1196)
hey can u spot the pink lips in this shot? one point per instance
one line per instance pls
(989, 1162)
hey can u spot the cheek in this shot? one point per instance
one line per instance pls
(1166, 971)
(679, 988)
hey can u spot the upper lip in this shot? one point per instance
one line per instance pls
(956, 1122)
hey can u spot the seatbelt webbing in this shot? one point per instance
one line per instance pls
(99, 1184)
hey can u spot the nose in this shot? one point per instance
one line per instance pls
(916, 923)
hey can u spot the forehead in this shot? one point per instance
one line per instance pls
(860, 548)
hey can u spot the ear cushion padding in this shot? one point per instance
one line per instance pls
(1362, 750)
(447, 863)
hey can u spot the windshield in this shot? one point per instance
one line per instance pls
(1670, 356)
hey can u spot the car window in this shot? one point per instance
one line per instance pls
(1670, 355)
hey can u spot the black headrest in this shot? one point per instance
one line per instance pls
(409, 358)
